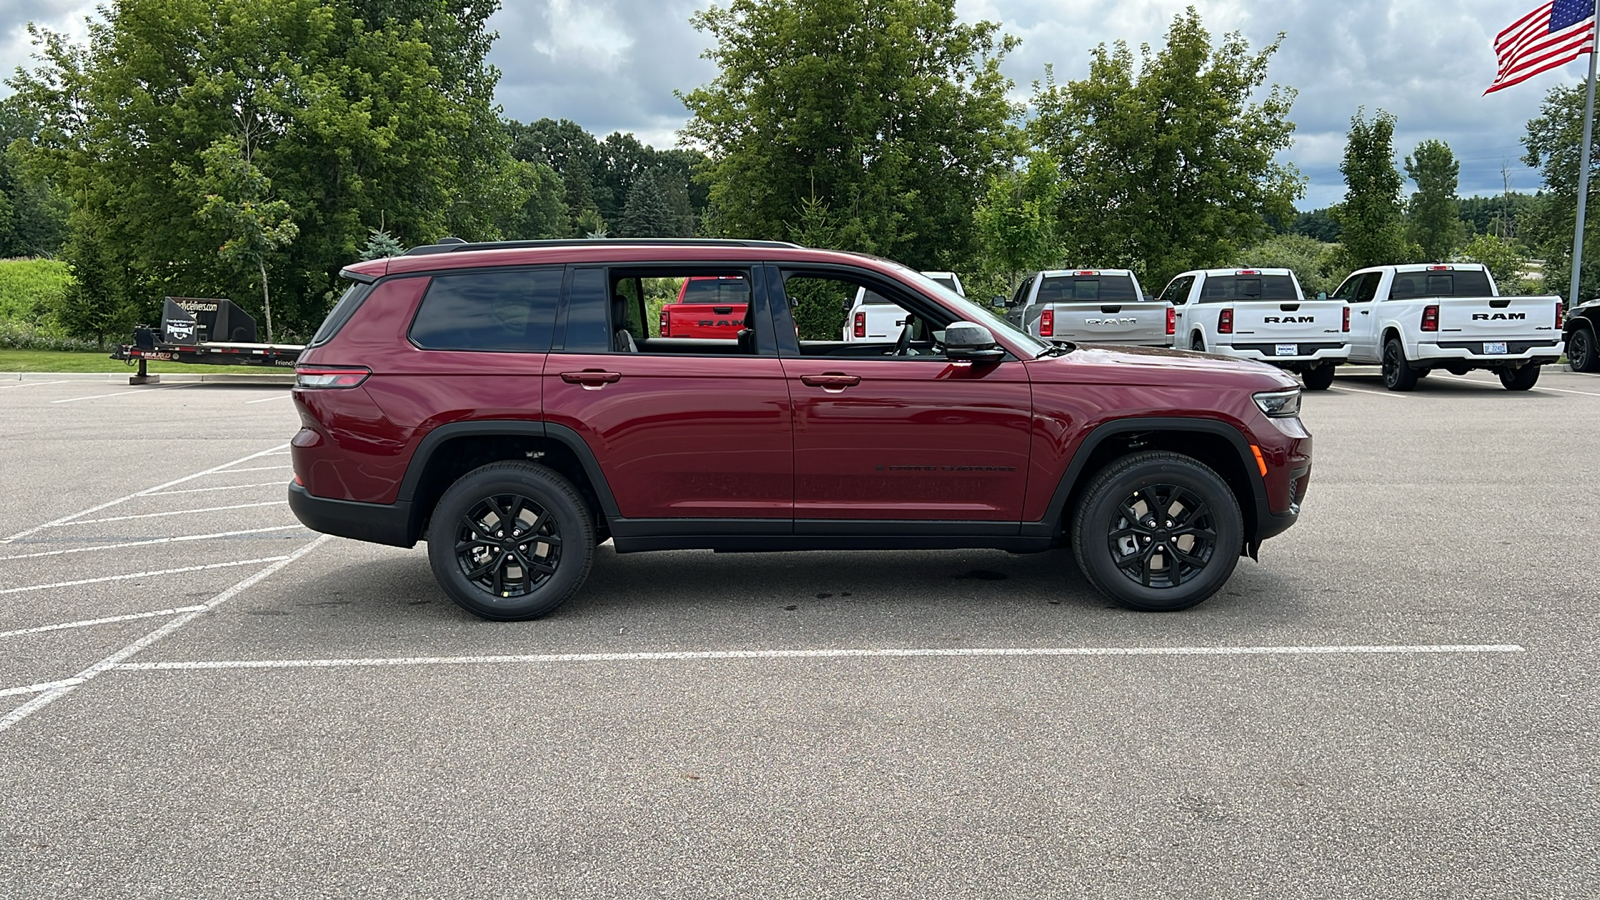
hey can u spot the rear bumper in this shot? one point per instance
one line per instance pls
(376, 523)
(1265, 352)
(1545, 351)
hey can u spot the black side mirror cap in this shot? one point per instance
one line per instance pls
(972, 342)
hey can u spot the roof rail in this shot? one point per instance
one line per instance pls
(455, 245)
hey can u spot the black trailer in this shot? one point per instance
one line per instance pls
(188, 325)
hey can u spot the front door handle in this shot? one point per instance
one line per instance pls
(591, 378)
(833, 382)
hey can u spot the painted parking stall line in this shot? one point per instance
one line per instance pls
(847, 653)
(157, 515)
(41, 687)
(151, 574)
(142, 391)
(90, 623)
(183, 539)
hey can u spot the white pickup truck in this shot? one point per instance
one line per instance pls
(1104, 306)
(1260, 314)
(1414, 319)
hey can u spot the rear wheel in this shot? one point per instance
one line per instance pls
(1397, 372)
(1157, 532)
(510, 541)
(1582, 352)
(1519, 379)
(1319, 378)
(1197, 343)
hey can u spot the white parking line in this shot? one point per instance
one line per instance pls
(69, 685)
(131, 392)
(151, 574)
(1566, 391)
(270, 399)
(160, 487)
(260, 469)
(668, 655)
(1346, 389)
(31, 384)
(220, 487)
(175, 512)
(42, 686)
(108, 620)
(150, 541)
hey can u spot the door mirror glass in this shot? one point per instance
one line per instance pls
(971, 341)
(999, 301)
(1322, 295)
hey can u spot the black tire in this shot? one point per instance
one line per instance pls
(1397, 372)
(1107, 542)
(1520, 379)
(524, 575)
(1318, 378)
(1197, 343)
(1581, 350)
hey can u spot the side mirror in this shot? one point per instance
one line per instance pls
(999, 301)
(971, 341)
(1322, 295)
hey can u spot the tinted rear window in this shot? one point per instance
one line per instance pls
(507, 310)
(341, 313)
(717, 290)
(1219, 288)
(1464, 283)
(1087, 288)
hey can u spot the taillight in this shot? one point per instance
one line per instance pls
(861, 325)
(666, 325)
(1346, 326)
(1047, 323)
(1430, 318)
(1561, 314)
(1225, 322)
(328, 377)
(1172, 320)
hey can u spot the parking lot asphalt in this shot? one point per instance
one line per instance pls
(198, 697)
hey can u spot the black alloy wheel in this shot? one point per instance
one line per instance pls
(1581, 350)
(511, 540)
(1319, 378)
(1157, 531)
(1519, 379)
(1197, 343)
(1397, 372)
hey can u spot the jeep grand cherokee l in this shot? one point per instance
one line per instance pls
(508, 404)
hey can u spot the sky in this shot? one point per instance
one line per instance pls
(612, 65)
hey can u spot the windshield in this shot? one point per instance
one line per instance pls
(972, 312)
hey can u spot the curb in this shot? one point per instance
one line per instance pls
(284, 378)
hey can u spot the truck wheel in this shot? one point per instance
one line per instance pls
(1519, 379)
(511, 540)
(1197, 343)
(1397, 372)
(1582, 352)
(1157, 532)
(1318, 378)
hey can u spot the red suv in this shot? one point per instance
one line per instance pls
(508, 404)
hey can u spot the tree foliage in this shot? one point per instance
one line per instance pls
(1504, 259)
(1433, 214)
(1554, 141)
(1169, 157)
(890, 114)
(1370, 219)
(1017, 221)
(193, 133)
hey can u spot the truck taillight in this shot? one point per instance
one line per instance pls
(666, 325)
(1430, 318)
(325, 377)
(1561, 314)
(1172, 320)
(1346, 326)
(1225, 322)
(1047, 323)
(861, 325)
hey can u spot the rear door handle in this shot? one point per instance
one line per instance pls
(832, 381)
(591, 377)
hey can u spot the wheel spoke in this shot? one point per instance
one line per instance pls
(479, 572)
(474, 543)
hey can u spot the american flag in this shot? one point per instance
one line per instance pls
(1552, 35)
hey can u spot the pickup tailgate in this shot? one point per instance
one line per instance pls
(1133, 322)
(1495, 325)
(1289, 327)
(703, 320)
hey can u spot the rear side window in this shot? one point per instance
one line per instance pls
(1087, 288)
(1223, 288)
(501, 310)
(341, 313)
(1463, 283)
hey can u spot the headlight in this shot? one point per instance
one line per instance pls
(1279, 404)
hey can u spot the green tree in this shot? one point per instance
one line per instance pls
(349, 124)
(1017, 221)
(544, 213)
(1311, 260)
(238, 205)
(380, 245)
(1554, 141)
(1372, 229)
(891, 114)
(647, 213)
(1318, 225)
(1169, 164)
(33, 215)
(1504, 259)
(1433, 219)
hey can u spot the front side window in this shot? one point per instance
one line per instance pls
(1177, 293)
(496, 310)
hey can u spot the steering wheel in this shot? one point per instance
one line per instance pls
(902, 346)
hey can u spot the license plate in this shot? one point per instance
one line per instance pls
(1288, 350)
(1494, 347)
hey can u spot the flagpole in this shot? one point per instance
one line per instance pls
(1583, 173)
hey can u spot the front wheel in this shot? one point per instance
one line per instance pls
(510, 541)
(1319, 378)
(1582, 352)
(1157, 532)
(1519, 379)
(1397, 372)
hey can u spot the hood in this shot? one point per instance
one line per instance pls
(1157, 366)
